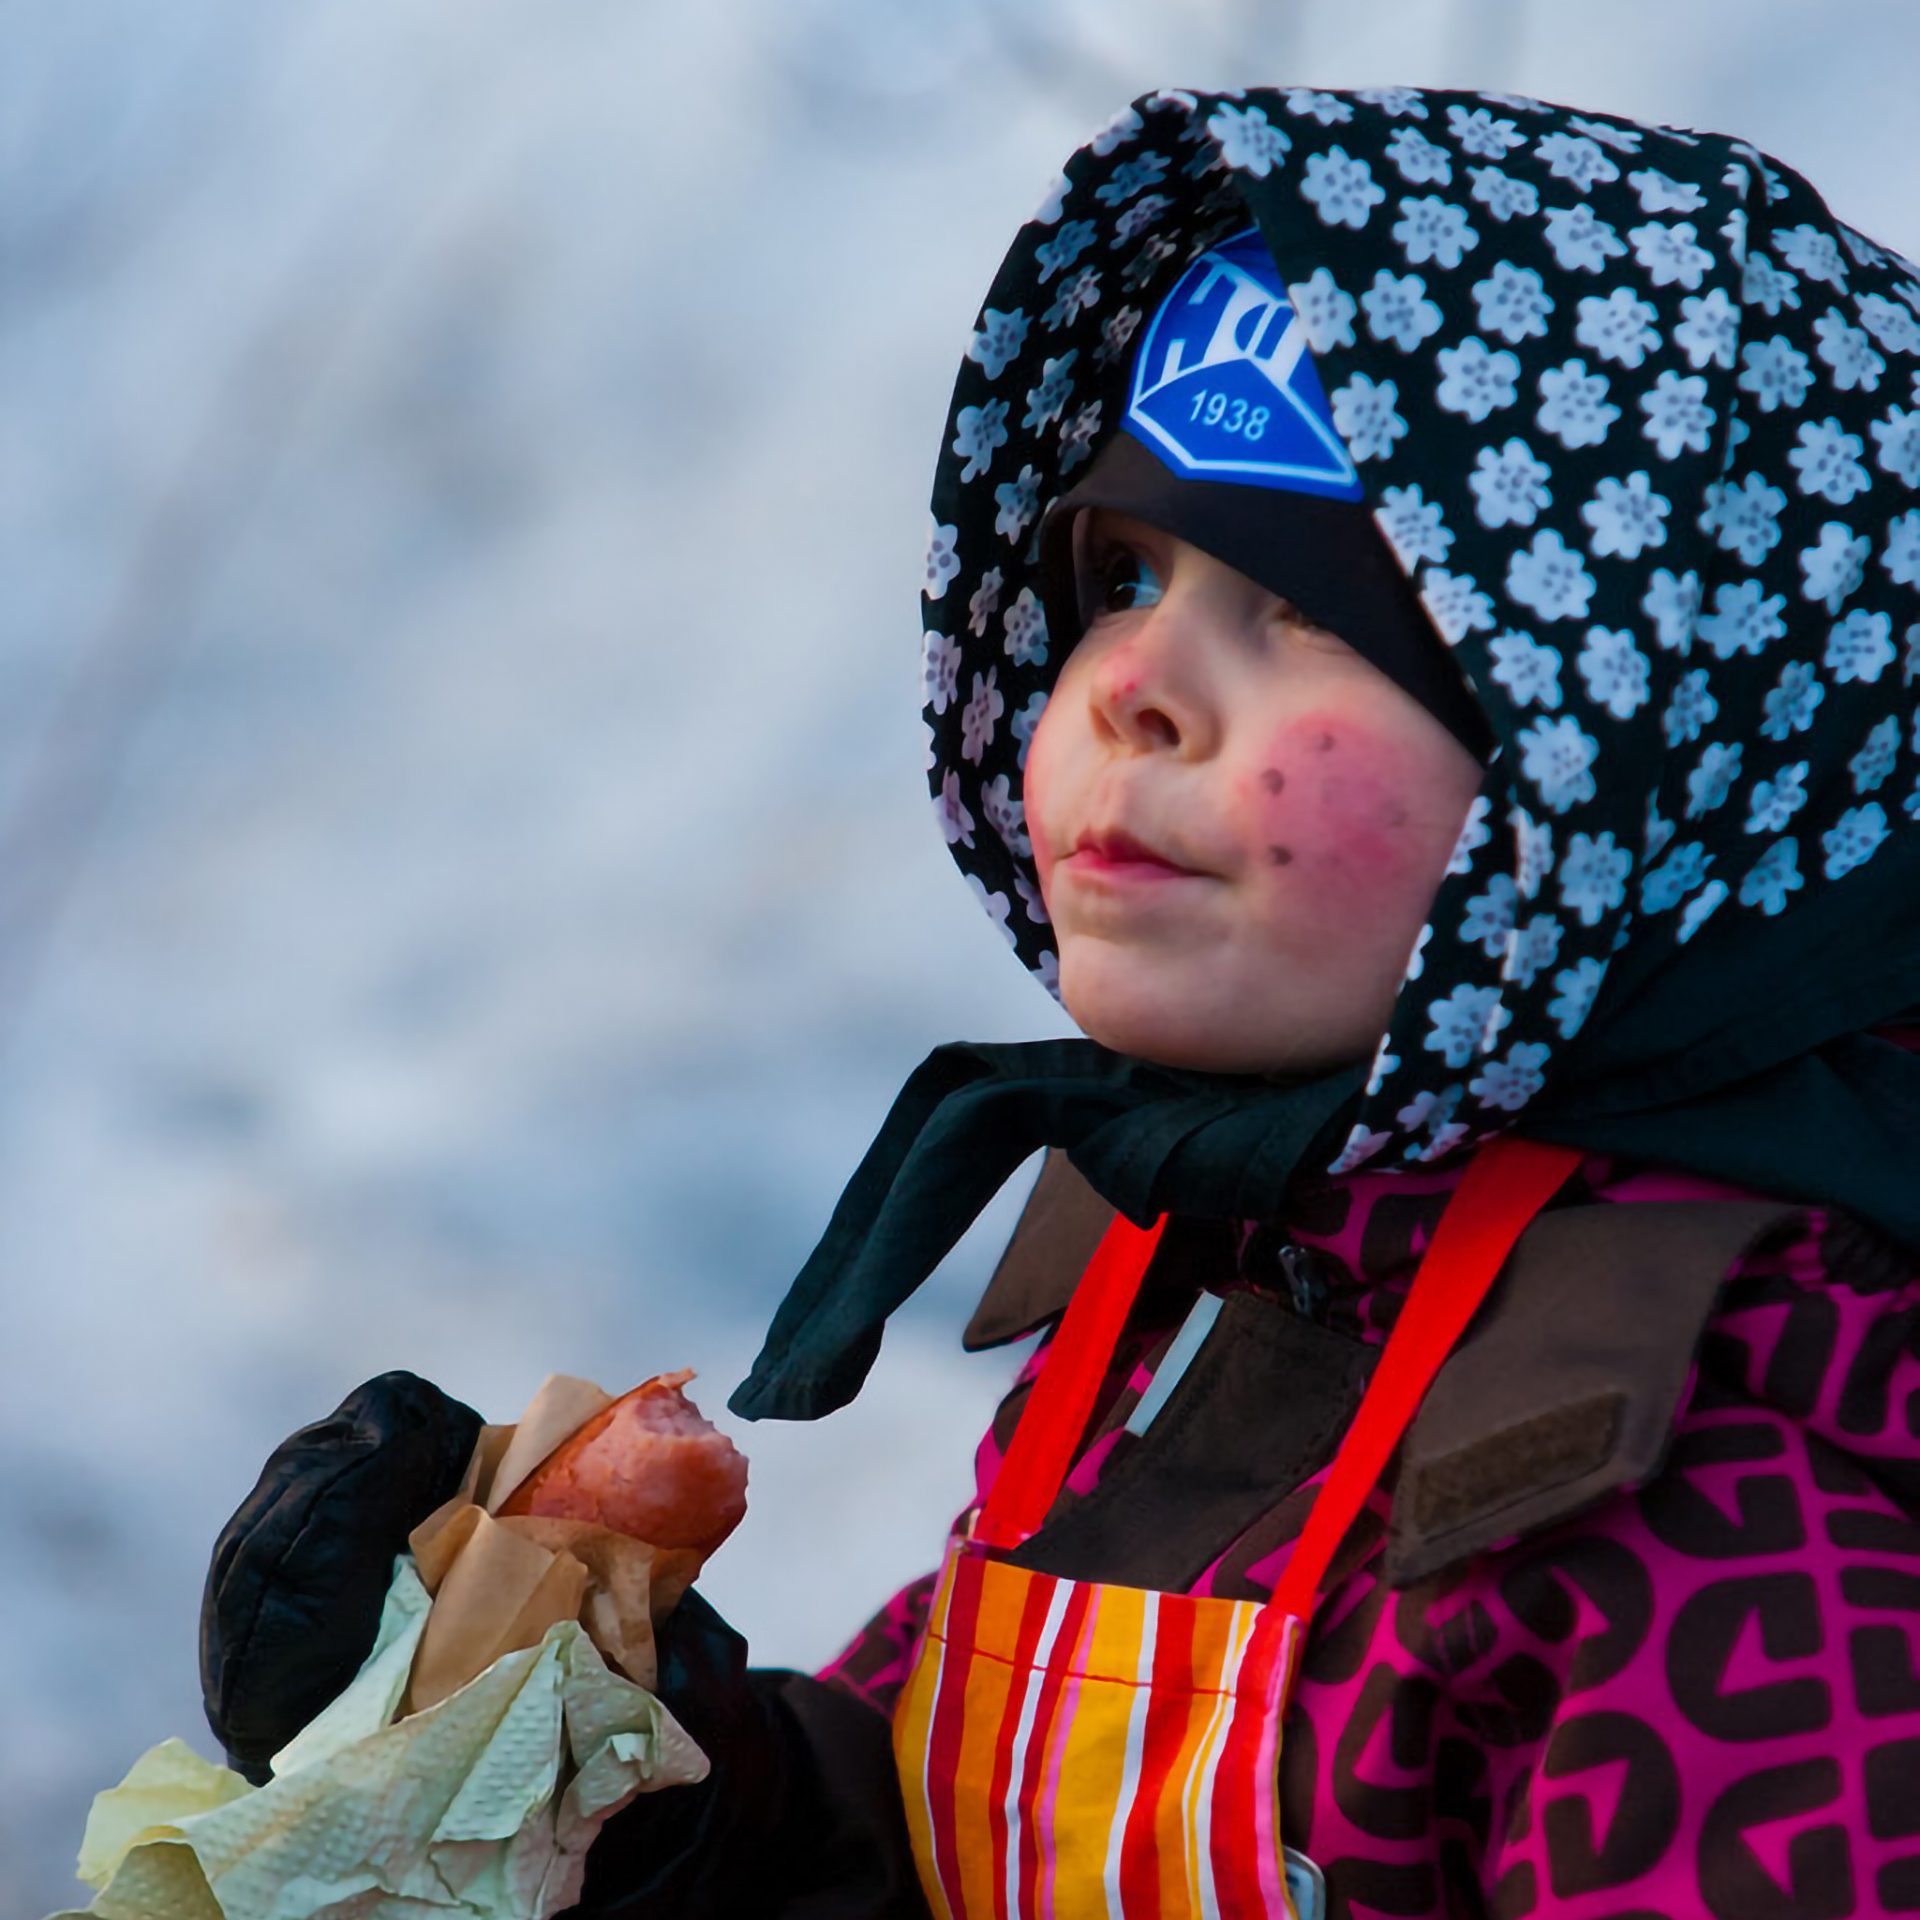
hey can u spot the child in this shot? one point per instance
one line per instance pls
(1369, 525)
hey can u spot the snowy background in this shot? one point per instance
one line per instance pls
(466, 888)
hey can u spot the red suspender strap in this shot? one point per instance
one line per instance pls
(1506, 1183)
(1061, 1403)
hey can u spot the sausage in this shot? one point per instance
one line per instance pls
(650, 1466)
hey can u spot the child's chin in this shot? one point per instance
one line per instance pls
(1174, 1030)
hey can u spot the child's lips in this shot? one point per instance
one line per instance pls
(1111, 854)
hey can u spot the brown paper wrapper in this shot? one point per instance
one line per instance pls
(498, 1585)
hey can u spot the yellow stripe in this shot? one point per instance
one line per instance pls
(1093, 1765)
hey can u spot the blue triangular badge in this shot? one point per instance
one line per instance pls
(1224, 388)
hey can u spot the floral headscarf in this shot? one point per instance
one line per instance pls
(1641, 421)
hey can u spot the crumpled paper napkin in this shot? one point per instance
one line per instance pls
(454, 1813)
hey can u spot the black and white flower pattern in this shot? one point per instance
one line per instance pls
(1479, 380)
(1513, 302)
(1774, 802)
(1574, 406)
(1551, 578)
(1419, 161)
(1616, 673)
(1640, 421)
(1398, 310)
(1691, 709)
(1835, 565)
(1342, 189)
(1627, 517)
(1709, 330)
(1509, 485)
(1504, 197)
(1618, 326)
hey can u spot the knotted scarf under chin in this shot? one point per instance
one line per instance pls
(1150, 1140)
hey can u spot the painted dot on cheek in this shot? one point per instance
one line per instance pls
(1280, 856)
(1273, 779)
(1323, 743)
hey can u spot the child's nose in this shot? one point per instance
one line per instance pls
(1145, 692)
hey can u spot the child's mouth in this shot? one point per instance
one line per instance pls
(1111, 854)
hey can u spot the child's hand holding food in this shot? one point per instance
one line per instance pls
(432, 1645)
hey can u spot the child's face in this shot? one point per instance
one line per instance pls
(1239, 823)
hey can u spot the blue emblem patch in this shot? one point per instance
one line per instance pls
(1224, 388)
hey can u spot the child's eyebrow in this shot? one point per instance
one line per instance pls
(1289, 612)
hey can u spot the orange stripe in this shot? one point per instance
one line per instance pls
(1217, 1628)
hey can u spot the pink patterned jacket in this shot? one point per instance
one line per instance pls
(1635, 1630)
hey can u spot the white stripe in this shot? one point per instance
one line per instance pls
(1203, 1781)
(1023, 1734)
(1136, 1739)
(1179, 1357)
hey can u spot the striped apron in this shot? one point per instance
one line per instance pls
(1070, 1750)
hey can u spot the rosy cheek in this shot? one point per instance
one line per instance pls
(1338, 801)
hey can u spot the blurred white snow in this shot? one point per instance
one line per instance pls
(466, 887)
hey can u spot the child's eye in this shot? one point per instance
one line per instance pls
(1117, 579)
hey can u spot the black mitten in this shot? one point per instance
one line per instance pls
(299, 1573)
